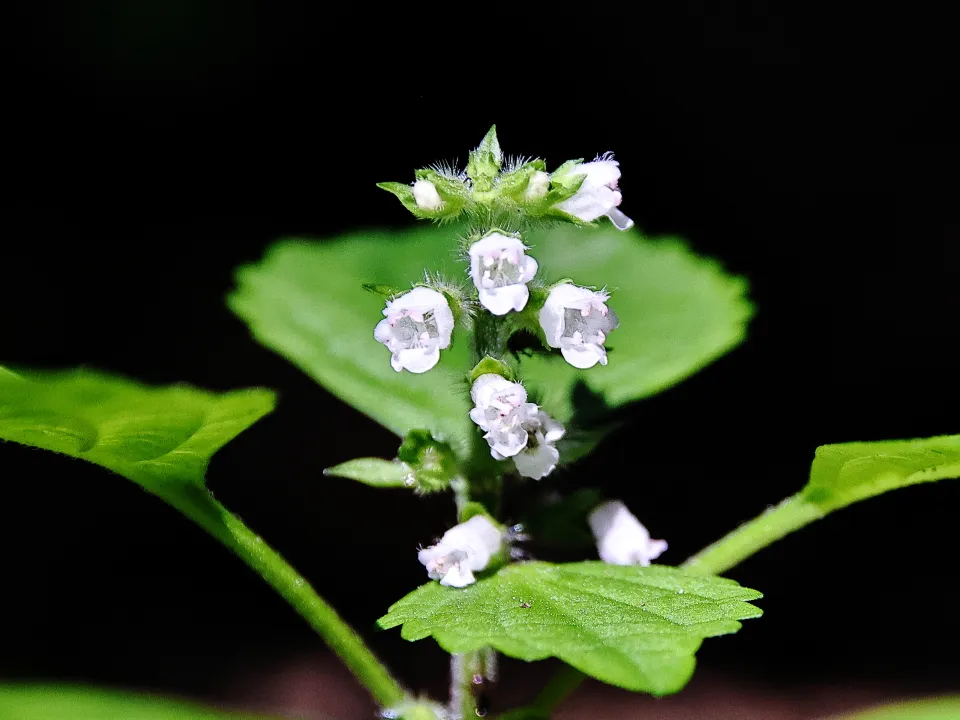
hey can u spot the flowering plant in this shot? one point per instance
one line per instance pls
(493, 375)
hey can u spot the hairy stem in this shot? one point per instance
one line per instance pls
(203, 509)
(463, 670)
(754, 535)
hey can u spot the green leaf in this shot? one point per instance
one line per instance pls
(305, 301)
(384, 291)
(160, 437)
(937, 709)
(848, 472)
(375, 472)
(678, 312)
(629, 626)
(64, 702)
(484, 163)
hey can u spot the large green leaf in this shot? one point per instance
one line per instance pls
(64, 702)
(678, 312)
(845, 473)
(160, 437)
(630, 626)
(936, 709)
(841, 474)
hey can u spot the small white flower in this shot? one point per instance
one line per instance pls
(463, 550)
(426, 195)
(621, 538)
(577, 320)
(501, 270)
(539, 458)
(501, 410)
(599, 194)
(417, 326)
(537, 186)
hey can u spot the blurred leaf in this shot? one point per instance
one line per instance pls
(629, 626)
(306, 301)
(845, 473)
(374, 471)
(936, 709)
(64, 702)
(678, 312)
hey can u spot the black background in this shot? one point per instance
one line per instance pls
(149, 148)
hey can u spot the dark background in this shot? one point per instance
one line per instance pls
(151, 147)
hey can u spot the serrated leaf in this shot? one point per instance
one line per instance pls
(159, 437)
(374, 471)
(634, 627)
(678, 312)
(65, 702)
(847, 472)
(937, 709)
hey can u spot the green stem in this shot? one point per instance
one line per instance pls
(463, 669)
(754, 535)
(202, 508)
(729, 551)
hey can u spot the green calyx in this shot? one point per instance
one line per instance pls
(491, 191)
(491, 366)
(433, 463)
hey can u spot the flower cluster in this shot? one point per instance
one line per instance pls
(508, 297)
(515, 428)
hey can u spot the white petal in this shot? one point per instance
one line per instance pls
(537, 186)
(458, 576)
(621, 538)
(619, 220)
(479, 538)
(426, 196)
(551, 320)
(443, 316)
(439, 558)
(489, 385)
(418, 297)
(508, 445)
(383, 332)
(529, 269)
(502, 300)
(570, 295)
(417, 360)
(598, 172)
(552, 430)
(496, 242)
(584, 205)
(479, 417)
(585, 356)
(590, 203)
(537, 463)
